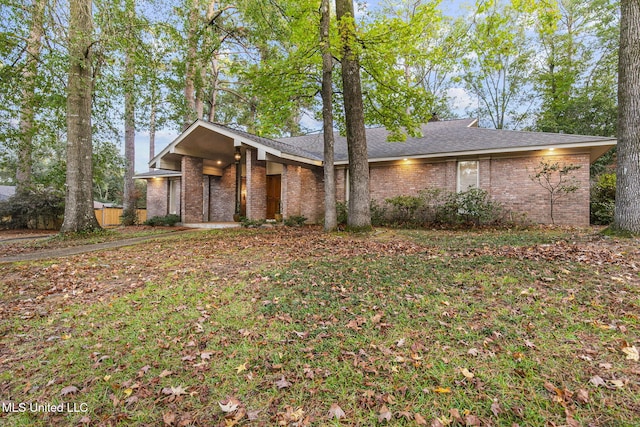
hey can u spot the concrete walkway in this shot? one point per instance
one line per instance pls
(75, 250)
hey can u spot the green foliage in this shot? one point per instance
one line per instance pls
(251, 223)
(295, 221)
(473, 207)
(167, 220)
(343, 212)
(603, 199)
(37, 208)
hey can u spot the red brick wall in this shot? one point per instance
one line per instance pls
(312, 194)
(191, 190)
(222, 200)
(256, 185)
(512, 186)
(157, 197)
(290, 186)
(407, 178)
(507, 180)
(302, 193)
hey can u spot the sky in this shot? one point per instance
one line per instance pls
(164, 137)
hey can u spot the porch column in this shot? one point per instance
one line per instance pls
(191, 190)
(256, 176)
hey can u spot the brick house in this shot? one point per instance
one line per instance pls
(197, 174)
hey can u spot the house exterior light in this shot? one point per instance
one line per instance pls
(237, 156)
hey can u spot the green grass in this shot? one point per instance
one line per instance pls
(343, 320)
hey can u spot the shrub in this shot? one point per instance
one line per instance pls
(38, 208)
(404, 208)
(295, 221)
(343, 212)
(378, 214)
(129, 217)
(603, 199)
(251, 223)
(475, 207)
(167, 220)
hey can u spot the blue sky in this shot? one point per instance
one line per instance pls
(166, 136)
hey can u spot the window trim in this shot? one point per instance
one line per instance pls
(477, 184)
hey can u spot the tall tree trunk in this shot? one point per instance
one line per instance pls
(129, 197)
(359, 199)
(27, 107)
(78, 209)
(191, 64)
(627, 214)
(330, 214)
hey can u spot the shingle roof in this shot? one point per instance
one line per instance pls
(444, 138)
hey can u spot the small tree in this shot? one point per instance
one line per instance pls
(557, 180)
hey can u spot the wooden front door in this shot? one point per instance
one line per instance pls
(273, 195)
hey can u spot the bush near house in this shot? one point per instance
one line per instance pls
(41, 208)
(167, 220)
(603, 199)
(435, 207)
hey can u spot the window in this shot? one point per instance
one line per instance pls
(467, 175)
(174, 196)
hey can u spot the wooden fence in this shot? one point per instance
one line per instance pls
(110, 217)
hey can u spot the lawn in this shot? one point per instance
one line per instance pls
(291, 326)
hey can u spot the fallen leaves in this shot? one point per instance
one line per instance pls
(335, 411)
(68, 390)
(631, 353)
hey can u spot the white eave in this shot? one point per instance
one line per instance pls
(504, 150)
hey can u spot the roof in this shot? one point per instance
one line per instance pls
(440, 139)
(450, 138)
(157, 174)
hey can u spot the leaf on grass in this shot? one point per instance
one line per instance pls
(582, 396)
(384, 415)
(85, 420)
(253, 415)
(529, 344)
(597, 381)
(283, 383)
(335, 411)
(419, 419)
(468, 375)
(174, 391)
(473, 352)
(495, 408)
(442, 390)
(165, 373)
(617, 383)
(206, 355)
(632, 353)
(241, 368)
(230, 405)
(472, 421)
(169, 418)
(70, 389)
(400, 342)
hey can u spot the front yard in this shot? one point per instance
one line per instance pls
(295, 327)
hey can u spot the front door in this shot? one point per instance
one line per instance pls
(273, 195)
